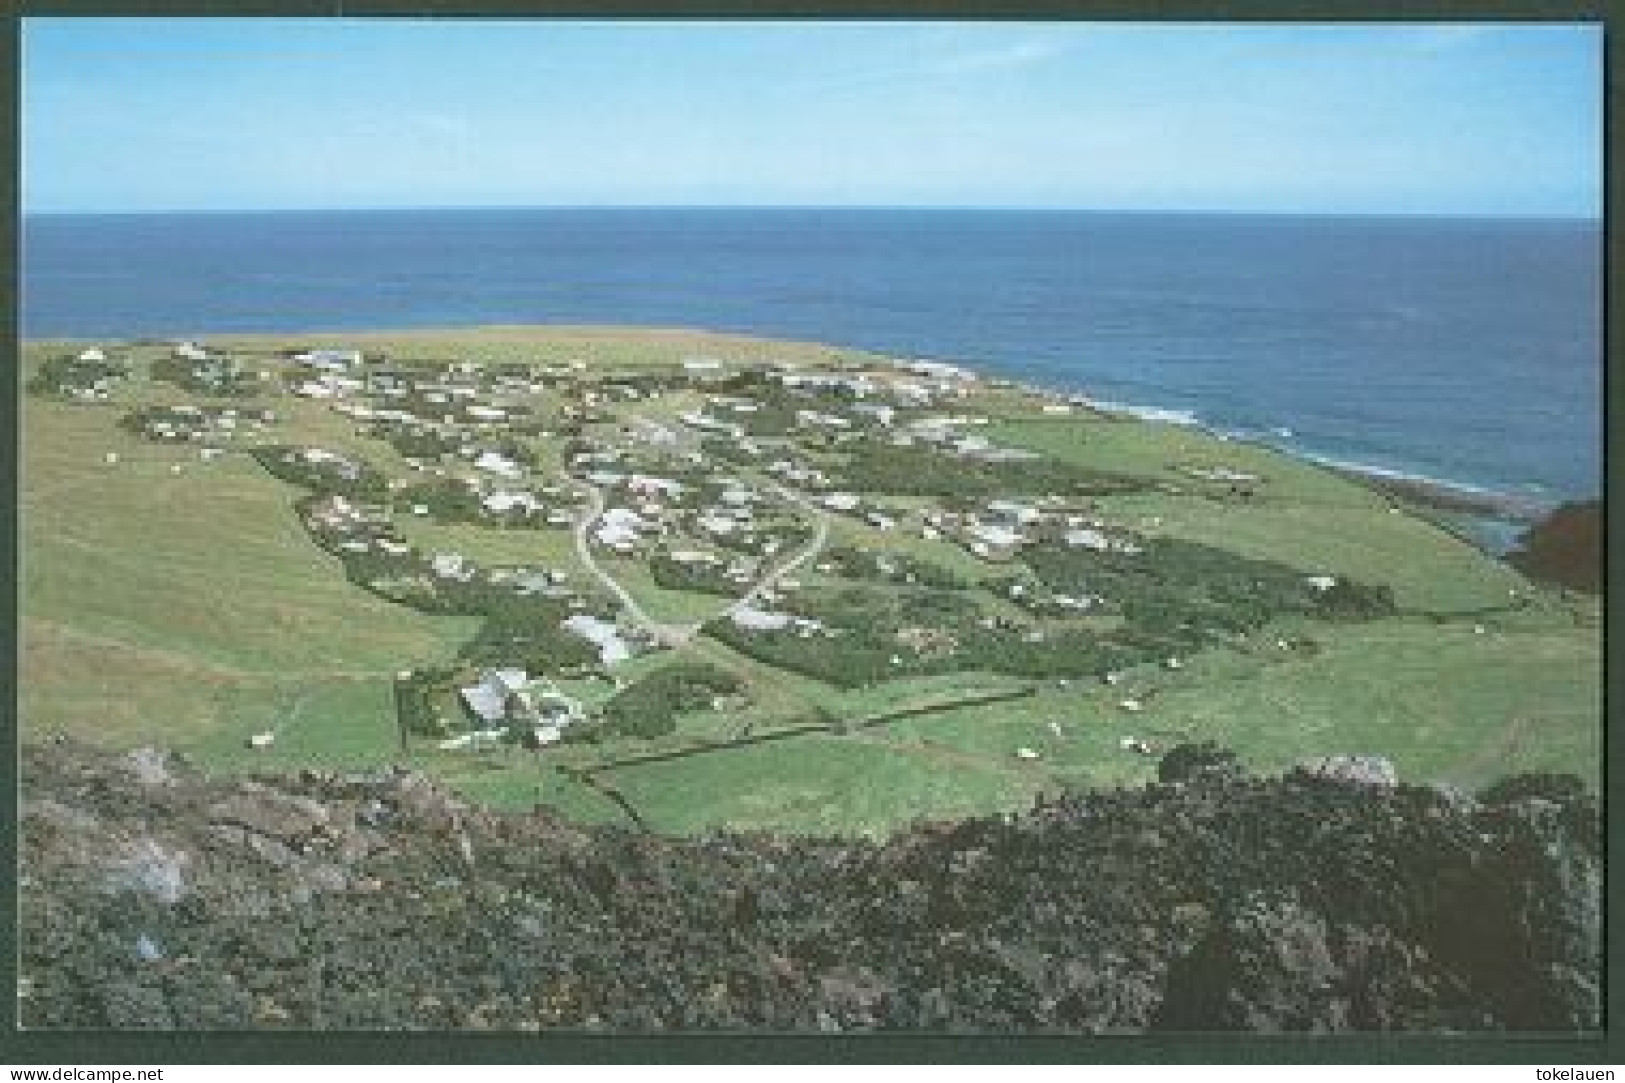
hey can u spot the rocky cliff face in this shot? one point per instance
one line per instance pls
(1565, 548)
(152, 896)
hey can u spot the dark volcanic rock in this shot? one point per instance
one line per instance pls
(1215, 901)
(1565, 548)
(1268, 966)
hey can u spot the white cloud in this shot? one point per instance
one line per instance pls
(1442, 37)
(963, 55)
(1019, 54)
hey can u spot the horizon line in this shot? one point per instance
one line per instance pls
(1578, 216)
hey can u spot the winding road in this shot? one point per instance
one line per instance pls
(671, 635)
(811, 550)
(675, 635)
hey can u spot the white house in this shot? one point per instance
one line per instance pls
(713, 523)
(758, 620)
(841, 501)
(937, 370)
(488, 699)
(503, 501)
(330, 359)
(452, 566)
(1010, 509)
(494, 462)
(651, 486)
(995, 535)
(619, 528)
(612, 647)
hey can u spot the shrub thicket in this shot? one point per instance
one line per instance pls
(649, 707)
(878, 466)
(349, 477)
(1205, 759)
(704, 578)
(891, 567)
(1173, 597)
(447, 500)
(418, 441)
(66, 374)
(527, 632)
(218, 376)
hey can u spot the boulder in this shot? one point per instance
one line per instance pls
(147, 766)
(148, 867)
(60, 816)
(279, 815)
(1355, 770)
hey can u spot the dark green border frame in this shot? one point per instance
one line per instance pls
(47, 1049)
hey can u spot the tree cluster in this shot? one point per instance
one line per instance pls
(221, 377)
(649, 707)
(878, 466)
(346, 476)
(67, 374)
(701, 577)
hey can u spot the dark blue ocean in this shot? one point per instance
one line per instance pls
(1458, 349)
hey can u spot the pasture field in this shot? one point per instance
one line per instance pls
(144, 592)
(1166, 452)
(1302, 515)
(821, 786)
(1428, 568)
(598, 347)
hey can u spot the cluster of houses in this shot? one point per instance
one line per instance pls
(88, 376)
(325, 374)
(755, 618)
(485, 501)
(341, 526)
(353, 530)
(648, 512)
(461, 428)
(734, 570)
(185, 423)
(508, 703)
(196, 368)
(319, 468)
(861, 508)
(996, 532)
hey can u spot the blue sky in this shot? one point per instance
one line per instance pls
(215, 114)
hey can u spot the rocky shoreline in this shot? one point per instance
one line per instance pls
(1445, 497)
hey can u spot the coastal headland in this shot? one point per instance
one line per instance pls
(684, 579)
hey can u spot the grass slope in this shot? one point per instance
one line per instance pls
(146, 595)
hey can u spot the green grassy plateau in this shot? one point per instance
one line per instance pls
(175, 601)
